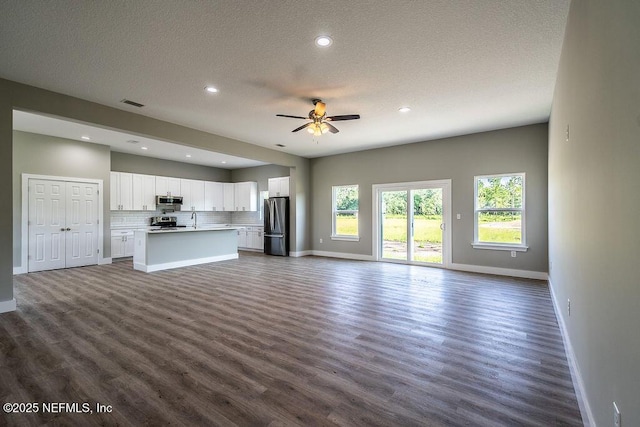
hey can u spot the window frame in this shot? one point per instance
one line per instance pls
(334, 214)
(518, 247)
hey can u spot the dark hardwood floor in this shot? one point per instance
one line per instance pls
(285, 341)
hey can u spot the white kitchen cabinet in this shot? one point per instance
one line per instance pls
(251, 238)
(242, 237)
(168, 186)
(122, 243)
(193, 198)
(144, 192)
(228, 194)
(213, 196)
(257, 238)
(246, 196)
(279, 187)
(121, 197)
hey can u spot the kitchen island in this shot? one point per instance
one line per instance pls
(181, 247)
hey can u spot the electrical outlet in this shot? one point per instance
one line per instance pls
(617, 419)
(567, 135)
(458, 216)
(569, 307)
(513, 254)
(321, 240)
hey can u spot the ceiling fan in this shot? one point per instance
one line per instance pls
(320, 122)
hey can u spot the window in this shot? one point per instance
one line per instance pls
(499, 212)
(345, 212)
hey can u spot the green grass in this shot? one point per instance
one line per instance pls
(346, 225)
(427, 229)
(498, 235)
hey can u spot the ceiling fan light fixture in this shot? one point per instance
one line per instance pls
(324, 128)
(311, 129)
(324, 41)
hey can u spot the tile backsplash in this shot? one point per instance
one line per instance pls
(141, 219)
(245, 218)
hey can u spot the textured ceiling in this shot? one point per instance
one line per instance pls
(462, 66)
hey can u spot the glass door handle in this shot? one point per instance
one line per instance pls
(442, 226)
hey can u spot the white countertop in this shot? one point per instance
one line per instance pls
(156, 230)
(149, 227)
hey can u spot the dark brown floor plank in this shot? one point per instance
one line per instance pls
(286, 341)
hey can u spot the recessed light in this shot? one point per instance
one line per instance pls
(223, 162)
(188, 155)
(211, 89)
(143, 148)
(86, 138)
(404, 109)
(324, 41)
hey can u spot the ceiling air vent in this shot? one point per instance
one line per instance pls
(135, 104)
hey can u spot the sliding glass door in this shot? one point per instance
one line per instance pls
(411, 222)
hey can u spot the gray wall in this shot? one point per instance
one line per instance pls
(48, 155)
(260, 174)
(522, 149)
(594, 201)
(122, 162)
(6, 220)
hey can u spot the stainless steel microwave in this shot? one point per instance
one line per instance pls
(168, 200)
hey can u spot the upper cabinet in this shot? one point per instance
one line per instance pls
(137, 192)
(228, 196)
(167, 186)
(193, 198)
(121, 197)
(279, 187)
(213, 196)
(144, 192)
(246, 196)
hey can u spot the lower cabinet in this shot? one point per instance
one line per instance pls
(251, 238)
(121, 243)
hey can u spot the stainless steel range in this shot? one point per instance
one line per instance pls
(165, 222)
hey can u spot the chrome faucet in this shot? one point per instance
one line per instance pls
(194, 216)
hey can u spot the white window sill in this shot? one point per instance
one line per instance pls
(500, 246)
(346, 238)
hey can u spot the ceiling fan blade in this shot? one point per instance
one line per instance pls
(306, 125)
(345, 117)
(292, 117)
(321, 107)
(332, 128)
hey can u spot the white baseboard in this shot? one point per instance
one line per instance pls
(186, 263)
(344, 255)
(23, 270)
(576, 377)
(300, 253)
(526, 274)
(7, 306)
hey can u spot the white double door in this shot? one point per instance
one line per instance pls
(63, 224)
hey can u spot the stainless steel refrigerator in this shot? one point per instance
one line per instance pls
(276, 226)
